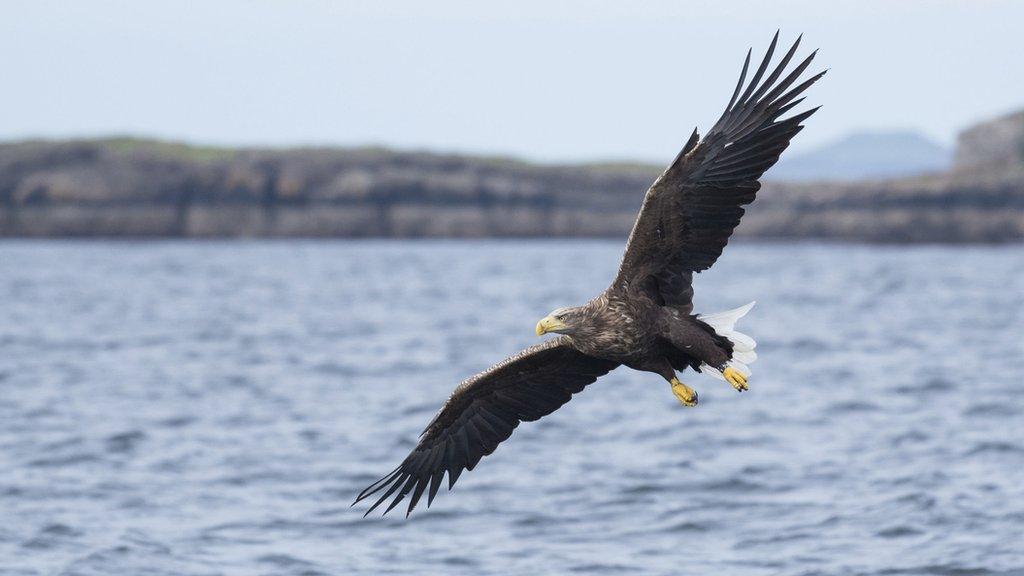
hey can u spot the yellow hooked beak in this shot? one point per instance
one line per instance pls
(549, 324)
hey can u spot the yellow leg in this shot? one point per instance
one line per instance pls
(736, 378)
(687, 396)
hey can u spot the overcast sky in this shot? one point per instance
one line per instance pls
(545, 80)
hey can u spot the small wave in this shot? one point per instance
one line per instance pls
(254, 478)
(177, 421)
(920, 500)
(898, 532)
(929, 386)
(995, 447)
(684, 527)
(125, 442)
(601, 568)
(991, 409)
(290, 563)
(853, 406)
(459, 561)
(61, 461)
(758, 469)
(533, 520)
(737, 484)
(770, 540)
(51, 536)
(943, 570)
(912, 437)
(809, 345)
(832, 520)
(640, 489)
(435, 514)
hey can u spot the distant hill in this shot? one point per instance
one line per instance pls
(865, 156)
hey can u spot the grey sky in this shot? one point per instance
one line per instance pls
(545, 80)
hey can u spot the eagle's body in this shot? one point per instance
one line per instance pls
(645, 319)
(632, 329)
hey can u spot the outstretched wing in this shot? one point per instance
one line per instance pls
(691, 210)
(482, 412)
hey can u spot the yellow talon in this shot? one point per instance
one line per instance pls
(736, 378)
(687, 396)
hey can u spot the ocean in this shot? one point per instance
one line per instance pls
(205, 408)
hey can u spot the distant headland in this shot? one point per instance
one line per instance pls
(136, 188)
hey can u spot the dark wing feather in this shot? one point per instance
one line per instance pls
(482, 412)
(691, 210)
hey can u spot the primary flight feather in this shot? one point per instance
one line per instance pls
(645, 319)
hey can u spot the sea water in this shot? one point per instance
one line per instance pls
(194, 408)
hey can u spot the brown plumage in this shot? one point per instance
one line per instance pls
(645, 319)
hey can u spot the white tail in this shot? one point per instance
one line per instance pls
(742, 345)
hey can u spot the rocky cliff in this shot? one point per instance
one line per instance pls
(994, 145)
(140, 188)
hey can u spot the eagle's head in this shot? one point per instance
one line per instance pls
(561, 321)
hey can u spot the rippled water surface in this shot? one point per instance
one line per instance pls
(212, 408)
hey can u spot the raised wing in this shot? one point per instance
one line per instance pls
(482, 412)
(691, 210)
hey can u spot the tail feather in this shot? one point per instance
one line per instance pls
(724, 324)
(740, 341)
(745, 356)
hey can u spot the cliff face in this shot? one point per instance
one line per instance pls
(117, 188)
(133, 188)
(994, 145)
